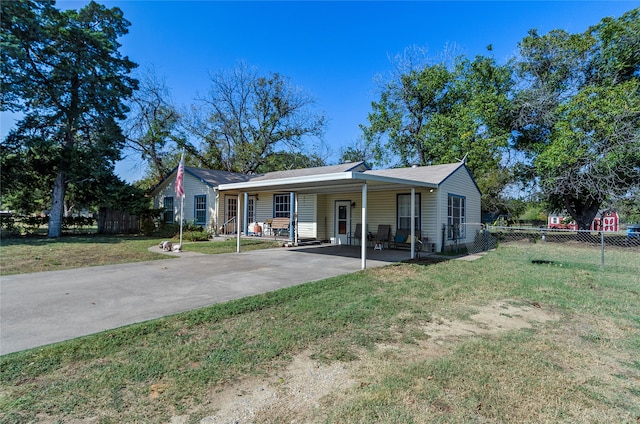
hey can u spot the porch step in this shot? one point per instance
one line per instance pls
(308, 242)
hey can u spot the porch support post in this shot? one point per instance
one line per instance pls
(292, 211)
(363, 240)
(215, 213)
(413, 222)
(238, 223)
(245, 215)
(295, 227)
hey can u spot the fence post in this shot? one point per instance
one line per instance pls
(602, 245)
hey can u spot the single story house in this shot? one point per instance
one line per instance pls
(330, 203)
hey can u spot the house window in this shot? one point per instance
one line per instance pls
(167, 204)
(456, 217)
(200, 213)
(281, 206)
(403, 212)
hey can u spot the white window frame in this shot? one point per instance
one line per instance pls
(403, 211)
(282, 205)
(456, 216)
(168, 210)
(203, 209)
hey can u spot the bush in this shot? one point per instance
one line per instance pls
(77, 223)
(201, 235)
(167, 230)
(8, 227)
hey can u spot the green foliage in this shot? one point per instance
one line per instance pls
(533, 212)
(579, 114)
(357, 151)
(192, 235)
(628, 207)
(63, 70)
(434, 115)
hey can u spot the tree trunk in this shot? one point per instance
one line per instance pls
(57, 206)
(583, 213)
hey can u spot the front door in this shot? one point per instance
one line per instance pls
(230, 215)
(343, 217)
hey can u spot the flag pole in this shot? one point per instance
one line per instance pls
(181, 218)
(180, 192)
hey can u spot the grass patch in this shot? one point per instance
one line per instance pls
(36, 254)
(229, 246)
(580, 367)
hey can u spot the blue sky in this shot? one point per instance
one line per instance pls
(333, 50)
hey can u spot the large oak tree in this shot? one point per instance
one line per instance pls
(579, 114)
(248, 119)
(63, 71)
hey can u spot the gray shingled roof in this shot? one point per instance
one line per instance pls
(319, 170)
(215, 178)
(434, 174)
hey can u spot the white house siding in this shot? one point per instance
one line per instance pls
(381, 209)
(430, 227)
(307, 216)
(264, 207)
(321, 213)
(461, 184)
(193, 187)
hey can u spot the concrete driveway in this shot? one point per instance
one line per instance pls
(48, 307)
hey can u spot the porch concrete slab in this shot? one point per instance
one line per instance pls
(47, 307)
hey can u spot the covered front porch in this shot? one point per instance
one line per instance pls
(341, 202)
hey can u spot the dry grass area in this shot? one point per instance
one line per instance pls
(37, 254)
(302, 389)
(310, 391)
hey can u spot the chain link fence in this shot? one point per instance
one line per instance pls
(594, 246)
(591, 247)
(467, 238)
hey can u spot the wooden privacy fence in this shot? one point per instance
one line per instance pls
(117, 222)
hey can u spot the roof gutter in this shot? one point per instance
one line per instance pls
(323, 178)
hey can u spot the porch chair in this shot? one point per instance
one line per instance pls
(357, 234)
(382, 236)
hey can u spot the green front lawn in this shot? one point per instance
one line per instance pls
(397, 333)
